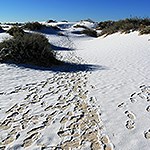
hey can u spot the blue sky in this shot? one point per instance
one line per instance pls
(72, 10)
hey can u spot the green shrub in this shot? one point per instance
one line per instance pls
(31, 49)
(89, 32)
(16, 31)
(145, 30)
(34, 26)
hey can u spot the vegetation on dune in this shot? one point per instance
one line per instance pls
(89, 32)
(34, 26)
(16, 31)
(33, 49)
(125, 26)
(145, 30)
(80, 26)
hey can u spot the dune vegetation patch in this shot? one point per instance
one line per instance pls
(34, 26)
(145, 30)
(32, 49)
(89, 32)
(125, 26)
(16, 31)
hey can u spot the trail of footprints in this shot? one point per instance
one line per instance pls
(144, 95)
(62, 99)
(61, 102)
(79, 127)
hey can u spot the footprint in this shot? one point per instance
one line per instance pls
(96, 145)
(29, 140)
(8, 140)
(147, 134)
(148, 108)
(121, 105)
(130, 124)
(2, 147)
(130, 115)
(133, 94)
(133, 100)
(108, 146)
(105, 139)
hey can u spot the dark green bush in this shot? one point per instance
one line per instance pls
(16, 31)
(89, 32)
(34, 26)
(31, 49)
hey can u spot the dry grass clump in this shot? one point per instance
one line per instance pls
(124, 26)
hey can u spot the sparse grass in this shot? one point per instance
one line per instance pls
(124, 26)
(89, 32)
(16, 31)
(31, 49)
(145, 30)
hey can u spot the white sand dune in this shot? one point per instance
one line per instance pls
(101, 104)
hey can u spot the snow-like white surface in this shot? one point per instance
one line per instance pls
(86, 24)
(120, 86)
(127, 62)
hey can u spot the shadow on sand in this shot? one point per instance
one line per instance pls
(49, 30)
(58, 48)
(66, 67)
